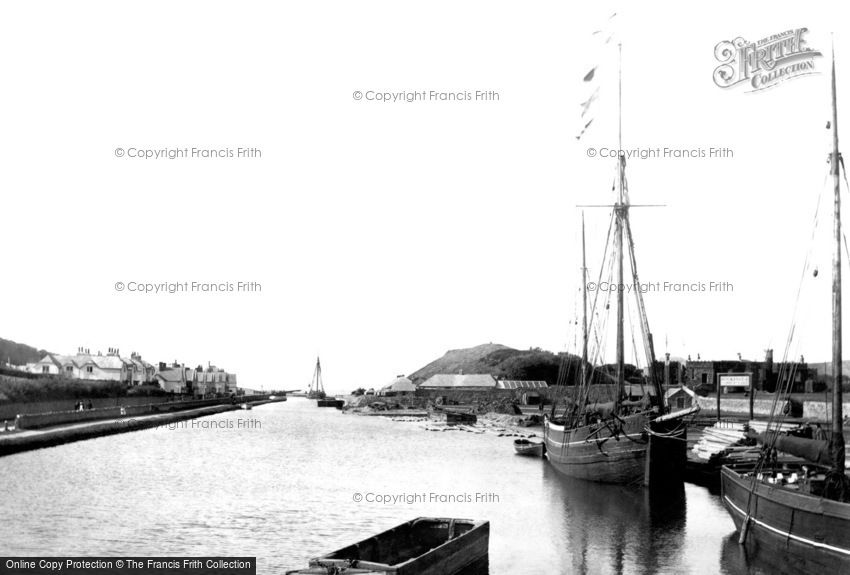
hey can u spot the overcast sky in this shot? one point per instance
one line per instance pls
(384, 234)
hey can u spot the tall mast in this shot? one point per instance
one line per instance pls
(837, 439)
(619, 210)
(618, 248)
(583, 308)
(317, 376)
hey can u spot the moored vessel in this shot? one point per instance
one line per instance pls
(622, 441)
(316, 390)
(801, 510)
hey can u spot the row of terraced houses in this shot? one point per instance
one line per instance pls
(111, 366)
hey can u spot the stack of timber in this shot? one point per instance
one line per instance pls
(725, 442)
(720, 439)
(728, 443)
(761, 426)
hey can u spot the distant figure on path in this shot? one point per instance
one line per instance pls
(89, 406)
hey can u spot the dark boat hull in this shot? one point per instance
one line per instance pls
(337, 403)
(458, 417)
(812, 533)
(618, 452)
(530, 448)
(594, 455)
(424, 546)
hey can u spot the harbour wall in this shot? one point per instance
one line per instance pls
(12, 409)
(29, 440)
(50, 438)
(822, 411)
(738, 405)
(41, 420)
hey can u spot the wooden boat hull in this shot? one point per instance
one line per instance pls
(811, 533)
(618, 452)
(530, 448)
(594, 453)
(337, 403)
(456, 417)
(424, 546)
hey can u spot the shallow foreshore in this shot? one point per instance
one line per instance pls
(27, 440)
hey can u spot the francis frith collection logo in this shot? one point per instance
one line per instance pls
(765, 63)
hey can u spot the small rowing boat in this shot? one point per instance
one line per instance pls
(423, 546)
(528, 447)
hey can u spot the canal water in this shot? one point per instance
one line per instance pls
(287, 481)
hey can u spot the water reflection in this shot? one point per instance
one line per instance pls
(617, 529)
(749, 558)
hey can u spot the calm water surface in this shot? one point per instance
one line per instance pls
(283, 489)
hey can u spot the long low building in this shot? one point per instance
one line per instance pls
(454, 381)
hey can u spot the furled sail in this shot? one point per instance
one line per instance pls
(814, 450)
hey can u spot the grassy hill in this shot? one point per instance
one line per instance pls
(18, 353)
(502, 362)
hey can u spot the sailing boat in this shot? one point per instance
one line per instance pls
(316, 389)
(621, 441)
(802, 510)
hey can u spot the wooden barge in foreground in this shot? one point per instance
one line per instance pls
(423, 546)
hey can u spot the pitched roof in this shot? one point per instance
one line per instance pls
(106, 361)
(520, 384)
(684, 388)
(171, 375)
(51, 358)
(400, 384)
(635, 389)
(451, 380)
